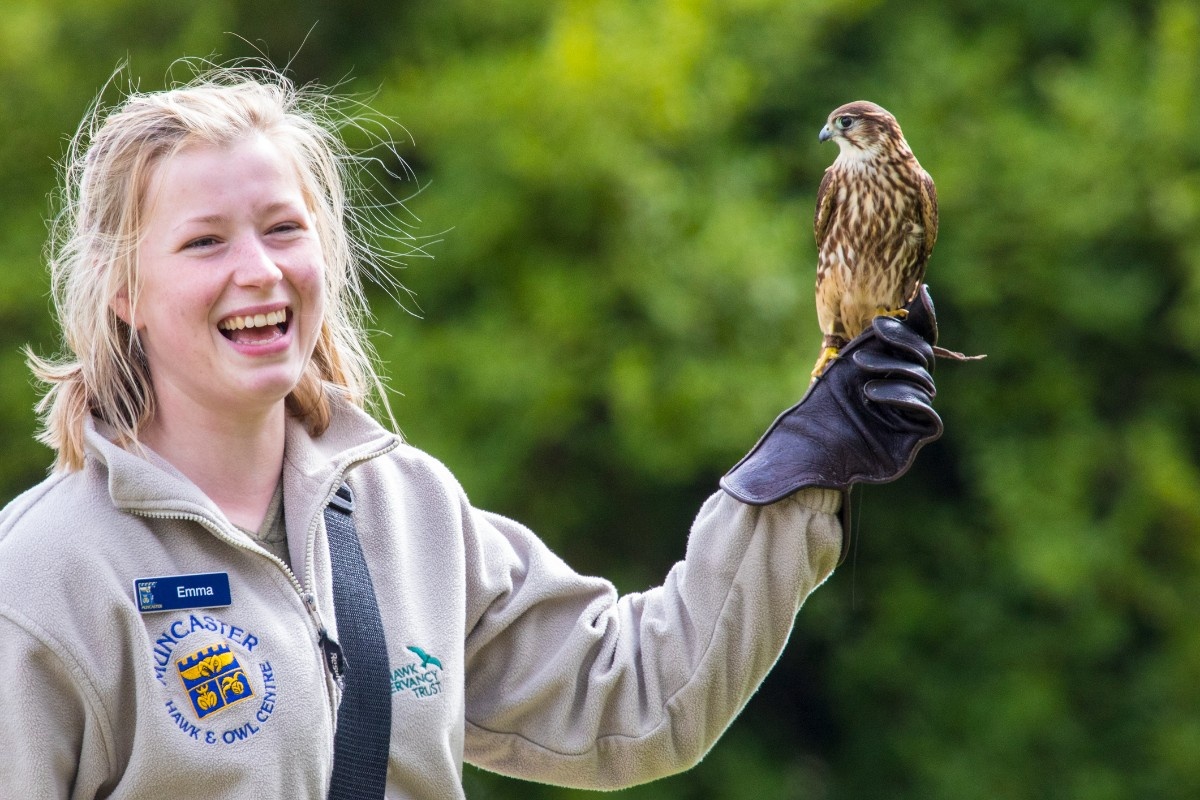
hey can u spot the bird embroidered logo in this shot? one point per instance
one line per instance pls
(876, 223)
(426, 659)
(214, 680)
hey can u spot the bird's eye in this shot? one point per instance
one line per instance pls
(844, 122)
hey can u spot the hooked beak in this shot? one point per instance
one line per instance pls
(825, 135)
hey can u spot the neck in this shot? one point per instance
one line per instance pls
(236, 462)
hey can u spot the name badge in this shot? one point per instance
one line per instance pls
(175, 592)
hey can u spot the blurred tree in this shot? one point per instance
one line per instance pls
(621, 303)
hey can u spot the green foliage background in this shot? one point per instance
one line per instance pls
(619, 197)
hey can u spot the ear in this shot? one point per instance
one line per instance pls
(122, 308)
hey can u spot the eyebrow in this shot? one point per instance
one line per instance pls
(207, 219)
(213, 219)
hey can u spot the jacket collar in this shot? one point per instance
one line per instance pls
(313, 466)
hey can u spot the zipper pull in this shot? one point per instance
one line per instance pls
(335, 659)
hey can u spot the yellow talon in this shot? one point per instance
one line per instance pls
(827, 357)
(894, 313)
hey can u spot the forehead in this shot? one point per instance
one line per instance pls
(859, 108)
(244, 170)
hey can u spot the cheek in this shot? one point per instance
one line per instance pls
(180, 295)
(309, 284)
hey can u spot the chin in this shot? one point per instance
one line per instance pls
(270, 392)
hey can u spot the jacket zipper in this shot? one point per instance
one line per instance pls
(223, 536)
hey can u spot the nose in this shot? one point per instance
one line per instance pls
(256, 265)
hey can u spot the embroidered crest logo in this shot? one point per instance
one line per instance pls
(214, 679)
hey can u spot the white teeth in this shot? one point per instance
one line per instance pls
(253, 321)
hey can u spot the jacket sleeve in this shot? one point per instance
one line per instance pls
(568, 683)
(50, 721)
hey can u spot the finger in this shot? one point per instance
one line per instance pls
(884, 364)
(898, 336)
(921, 316)
(912, 404)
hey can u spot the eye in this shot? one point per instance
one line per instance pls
(843, 122)
(285, 227)
(200, 242)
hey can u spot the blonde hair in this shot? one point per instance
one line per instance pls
(92, 252)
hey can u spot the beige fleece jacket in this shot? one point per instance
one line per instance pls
(501, 654)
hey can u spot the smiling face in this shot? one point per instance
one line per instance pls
(231, 293)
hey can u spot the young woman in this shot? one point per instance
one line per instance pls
(169, 610)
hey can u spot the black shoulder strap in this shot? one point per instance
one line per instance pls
(360, 745)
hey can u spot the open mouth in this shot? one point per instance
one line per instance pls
(255, 328)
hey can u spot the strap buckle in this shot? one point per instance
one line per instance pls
(343, 499)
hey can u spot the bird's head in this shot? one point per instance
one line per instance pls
(863, 131)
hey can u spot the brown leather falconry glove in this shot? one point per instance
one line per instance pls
(862, 421)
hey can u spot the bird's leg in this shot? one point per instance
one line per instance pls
(827, 356)
(832, 344)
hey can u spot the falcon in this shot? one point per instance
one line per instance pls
(876, 223)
